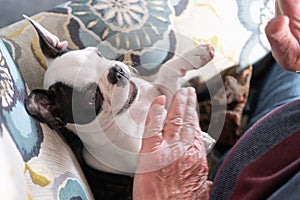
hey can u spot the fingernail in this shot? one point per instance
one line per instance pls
(160, 100)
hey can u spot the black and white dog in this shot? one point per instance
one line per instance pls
(100, 101)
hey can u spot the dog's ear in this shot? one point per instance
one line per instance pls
(49, 43)
(41, 106)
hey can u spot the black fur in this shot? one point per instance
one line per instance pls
(62, 104)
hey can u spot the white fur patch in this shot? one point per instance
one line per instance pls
(77, 68)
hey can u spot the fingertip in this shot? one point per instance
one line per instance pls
(192, 95)
(156, 109)
(192, 91)
(276, 28)
(160, 100)
(282, 41)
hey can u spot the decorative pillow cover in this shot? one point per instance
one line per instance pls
(148, 33)
(144, 34)
(42, 165)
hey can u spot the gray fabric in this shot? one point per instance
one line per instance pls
(289, 191)
(278, 87)
(261, 137)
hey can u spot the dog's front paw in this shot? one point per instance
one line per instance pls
(199, 56)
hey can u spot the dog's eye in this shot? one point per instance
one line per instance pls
(99, 54)
(93, 97)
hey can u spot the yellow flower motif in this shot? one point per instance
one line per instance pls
(6, 84)
(2, 62)
(40, 175)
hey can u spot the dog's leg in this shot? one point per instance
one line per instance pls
(168, 81)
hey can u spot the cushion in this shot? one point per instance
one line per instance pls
(146, 34)
(40, 164)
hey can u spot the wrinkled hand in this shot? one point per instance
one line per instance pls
(172, 162)
(283, 33)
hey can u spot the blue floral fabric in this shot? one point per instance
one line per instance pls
(148, 33)
(141, 33)
(42, 164)
(143, 28)
(25, 131)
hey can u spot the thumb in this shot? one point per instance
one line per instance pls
(283, 43)
(291, 8)
(152, 134)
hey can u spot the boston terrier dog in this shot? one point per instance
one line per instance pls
(101, 101)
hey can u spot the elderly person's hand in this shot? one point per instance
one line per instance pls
(172, 163)
(283, 33)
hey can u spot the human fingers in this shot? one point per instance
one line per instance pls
(291, 9)
(174, 118)
(285, 47)
(152, 135)
(283, 33)
(190, 119)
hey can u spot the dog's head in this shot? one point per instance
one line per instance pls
(79, 85)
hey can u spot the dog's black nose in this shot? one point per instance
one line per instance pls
(117, 75)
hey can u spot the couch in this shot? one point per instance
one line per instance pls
(39, 163)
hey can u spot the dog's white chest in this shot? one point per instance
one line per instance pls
(116, 142)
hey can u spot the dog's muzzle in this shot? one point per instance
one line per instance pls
(117, 75)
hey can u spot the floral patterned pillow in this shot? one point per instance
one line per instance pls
(35, 162)
(147, 33)
(142, 33)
